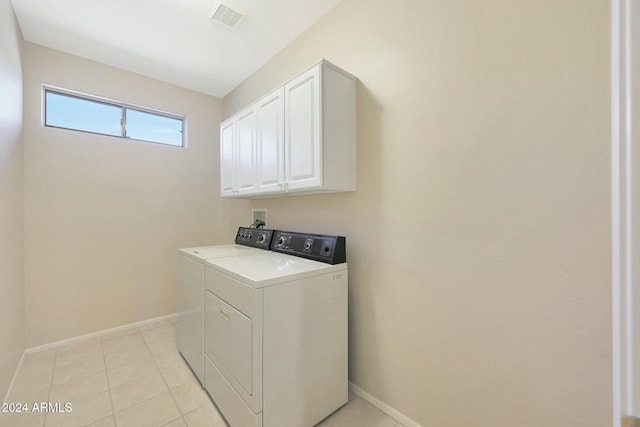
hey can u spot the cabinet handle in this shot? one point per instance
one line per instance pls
(284, 186)
(225, 315)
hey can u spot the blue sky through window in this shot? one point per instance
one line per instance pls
(85, 114)
(82, 114)
(152, 127)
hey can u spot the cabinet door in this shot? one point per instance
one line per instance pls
(303, 135)
(246, 166)
(227, 158)
(271, 142)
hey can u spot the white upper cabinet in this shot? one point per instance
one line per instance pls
(227, 158)
(238, 154)
(298, 139)
(270, 135)
(246, 165)
(302, 111)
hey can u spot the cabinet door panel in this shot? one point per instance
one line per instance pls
(270, 142)
(246, 160)
(303, 138)
(227, 158)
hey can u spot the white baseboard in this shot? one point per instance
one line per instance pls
(98, 333)
(81, 338)
(393, 413)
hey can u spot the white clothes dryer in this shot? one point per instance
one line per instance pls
(276, 332)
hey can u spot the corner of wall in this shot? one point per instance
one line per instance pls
(12, 283)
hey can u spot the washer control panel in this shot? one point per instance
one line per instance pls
(254, 237)
(327, 249)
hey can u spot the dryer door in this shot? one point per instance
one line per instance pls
(229, 340)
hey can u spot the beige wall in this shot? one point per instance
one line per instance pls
(12, 324)
(479, 234)
(105, 216)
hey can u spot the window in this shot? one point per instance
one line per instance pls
(71, 110)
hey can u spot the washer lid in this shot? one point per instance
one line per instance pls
(268, 268)
(206, 252)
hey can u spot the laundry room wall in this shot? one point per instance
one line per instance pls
(478, 239)
(12, 324)
(105, 216)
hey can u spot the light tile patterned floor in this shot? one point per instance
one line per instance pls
(132, 378)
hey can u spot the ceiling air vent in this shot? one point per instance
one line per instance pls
(226, 14)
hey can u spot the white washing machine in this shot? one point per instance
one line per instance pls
(191, 272)
(276, 332)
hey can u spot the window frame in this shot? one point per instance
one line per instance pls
(124, 106)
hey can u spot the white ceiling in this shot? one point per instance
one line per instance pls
(170, 40)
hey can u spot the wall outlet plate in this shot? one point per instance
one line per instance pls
(259, 215)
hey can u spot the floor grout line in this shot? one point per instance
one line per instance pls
(164, 380)
(104, 358)
(53, 373)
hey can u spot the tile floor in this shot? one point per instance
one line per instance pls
(132, 378)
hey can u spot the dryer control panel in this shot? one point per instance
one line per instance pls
(327, 249)
(255, 237)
